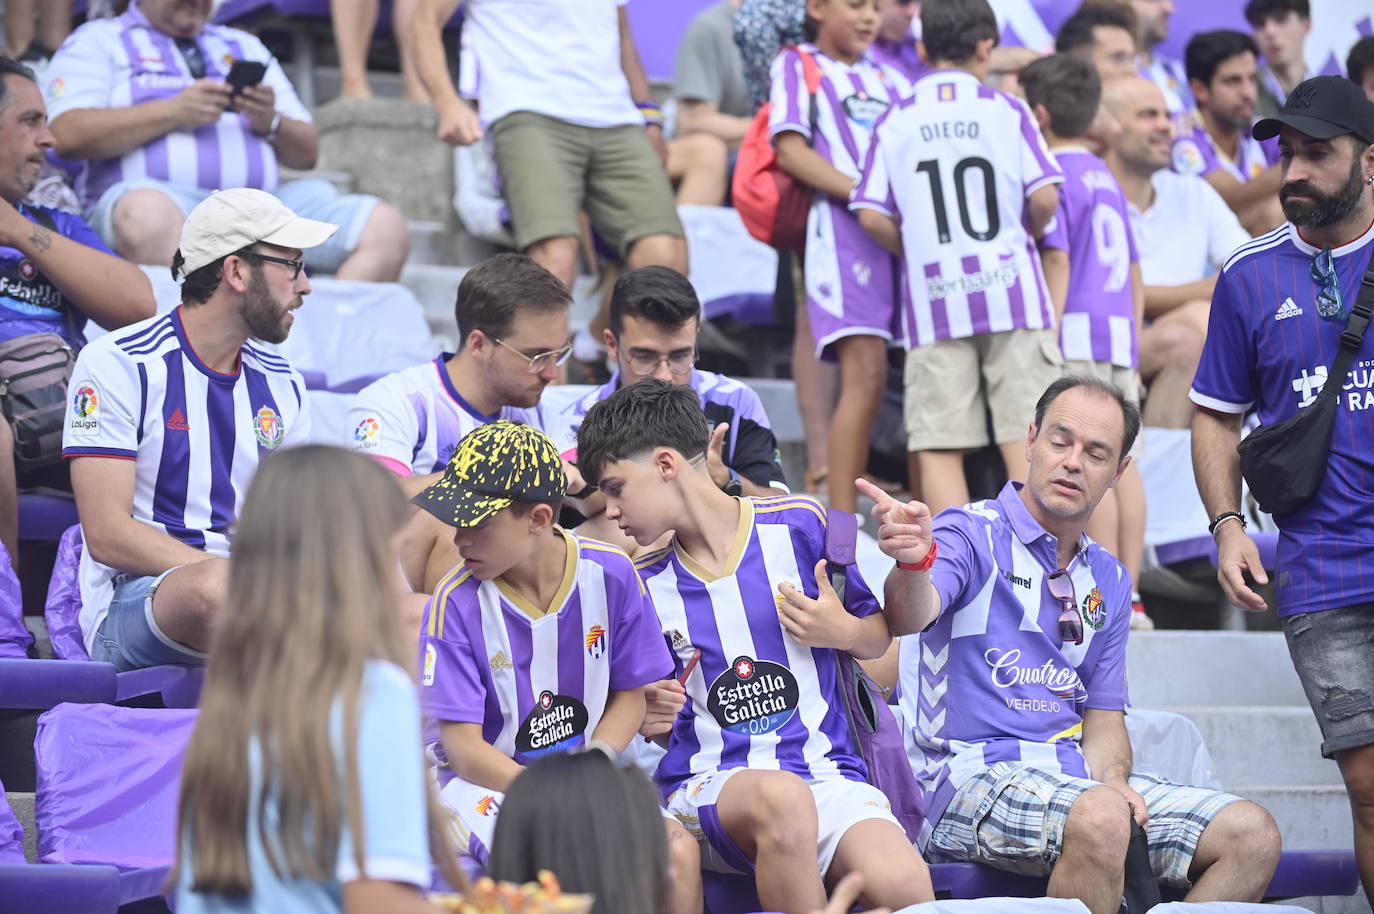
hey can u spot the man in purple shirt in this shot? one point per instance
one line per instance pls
(1015, 691)
(1278, 313)
(895, 45)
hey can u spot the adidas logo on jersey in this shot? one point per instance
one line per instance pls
(499, 661)
(177, 422)
(1288, 309)
(679, 640)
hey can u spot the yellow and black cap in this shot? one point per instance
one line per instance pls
(494, 465)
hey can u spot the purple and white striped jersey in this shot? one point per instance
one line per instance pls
(195, 435)
(1093, 227)
(1196, 153)
(954, 165)
(1268, 348)
(537, 682)
(411, 420)
(848, 103)
(757, 699)
(990, 681)
(117, 63)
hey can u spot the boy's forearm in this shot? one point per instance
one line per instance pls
(621, 719)
(874, 638)
(882, 229)
(477, 761)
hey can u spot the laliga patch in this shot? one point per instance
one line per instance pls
(85, 417)
(863, 108)
(556, 724)
(753, 696)
(1188, 158)
(366, 434)
(1094, 610)
(431, 658)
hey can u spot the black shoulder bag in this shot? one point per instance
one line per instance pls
(1286, 463)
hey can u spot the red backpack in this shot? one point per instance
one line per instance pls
(772, 204)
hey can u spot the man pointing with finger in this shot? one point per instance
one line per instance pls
(1015, 691)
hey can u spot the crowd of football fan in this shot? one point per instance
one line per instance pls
(1000, 238)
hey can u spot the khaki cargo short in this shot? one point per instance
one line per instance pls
(550, 170)
(950, 385)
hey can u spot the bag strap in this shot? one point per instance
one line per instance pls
(811, 77)
(841, 546)
(1352, 337)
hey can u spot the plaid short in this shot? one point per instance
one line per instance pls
(1012, 816)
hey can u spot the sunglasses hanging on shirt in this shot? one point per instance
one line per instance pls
(1330, 302)
(195, 61)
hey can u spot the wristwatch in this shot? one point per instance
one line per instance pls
(733, 486)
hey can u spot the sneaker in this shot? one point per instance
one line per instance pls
(1139, 621)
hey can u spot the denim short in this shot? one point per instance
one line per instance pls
(312, 198)
(129, 636)
(1333, 652)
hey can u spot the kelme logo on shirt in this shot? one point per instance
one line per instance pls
(753, 696)
(85, 418)
(267, 426)
(556, 723)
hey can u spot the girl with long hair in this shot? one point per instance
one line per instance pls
(304, 785)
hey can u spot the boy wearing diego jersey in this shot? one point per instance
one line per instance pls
(539, 641)
(1092, 269)
(167, 421)
(760, 764)
(958, 178)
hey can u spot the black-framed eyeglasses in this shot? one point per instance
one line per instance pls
(1070, 622)
(643, 364)
(543, 360)
(295, 265)
(1330, 302)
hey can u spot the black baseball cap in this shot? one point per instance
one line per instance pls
(494, 465)
(1322, 107)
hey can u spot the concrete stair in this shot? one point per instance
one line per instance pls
(1240, 690)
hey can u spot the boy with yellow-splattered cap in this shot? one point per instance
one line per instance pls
(540, 641)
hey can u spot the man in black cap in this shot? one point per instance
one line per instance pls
(1279, 309)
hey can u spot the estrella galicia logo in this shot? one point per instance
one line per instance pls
(753, 696)
(556, 724)
(863, 108)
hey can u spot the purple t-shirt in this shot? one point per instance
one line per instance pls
(1268, 348)
(903, 56)
(989, 681)
(1093, 226)
(1195, 153)
(536, 682)
(29, 301)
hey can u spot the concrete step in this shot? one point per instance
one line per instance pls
(1264, 745)
(1192, 668)
(341, 180)
(1309, 818)
(1334, 904)
(22, 804)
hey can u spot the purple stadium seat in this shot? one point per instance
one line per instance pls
(1199, 547)
(107, 784)
(42, 889)
(15, 639)
(62, 611)
(11, 834)
(45, 517)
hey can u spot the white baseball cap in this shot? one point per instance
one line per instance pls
(231, 220)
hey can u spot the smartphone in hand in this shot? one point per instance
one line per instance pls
(245, 73)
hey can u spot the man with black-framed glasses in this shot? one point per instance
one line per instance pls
(1014, 691)
(167, 420)
(654, 320)
(512, 317)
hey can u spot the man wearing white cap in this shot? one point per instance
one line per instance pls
(167, 421)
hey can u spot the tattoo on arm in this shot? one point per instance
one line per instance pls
(41, 238)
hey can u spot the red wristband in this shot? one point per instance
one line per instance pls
(924, 564)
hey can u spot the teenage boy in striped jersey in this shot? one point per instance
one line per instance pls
(539, 642)
(760, 763)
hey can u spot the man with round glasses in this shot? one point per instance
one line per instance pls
(654, 319)
(512, 317)
(1014, 692)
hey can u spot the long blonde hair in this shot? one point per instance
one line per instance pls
(313, 587)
